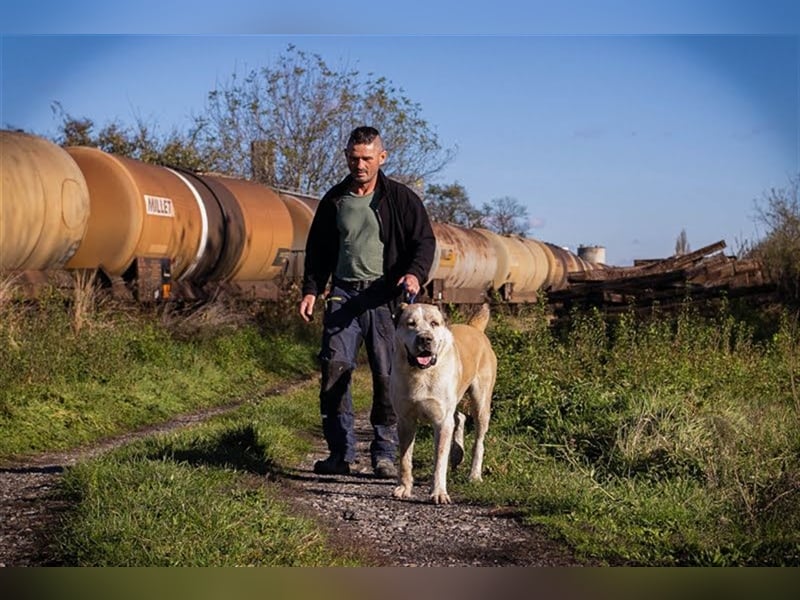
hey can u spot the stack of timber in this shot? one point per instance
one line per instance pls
(697, 277)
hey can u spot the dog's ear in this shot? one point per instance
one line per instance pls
(399, 311)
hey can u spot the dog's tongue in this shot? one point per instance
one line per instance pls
(424, 361)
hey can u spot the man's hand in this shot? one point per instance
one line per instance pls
(307, 307)
(410, 283)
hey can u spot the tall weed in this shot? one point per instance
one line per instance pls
(84, 297)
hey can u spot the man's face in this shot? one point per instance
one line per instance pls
(364, 160)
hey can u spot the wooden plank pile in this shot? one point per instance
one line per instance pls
(698, 276)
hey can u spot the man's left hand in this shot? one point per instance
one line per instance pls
(410, 283)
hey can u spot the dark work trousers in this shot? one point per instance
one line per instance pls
(353, 316)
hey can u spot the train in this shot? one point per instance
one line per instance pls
(163, 233)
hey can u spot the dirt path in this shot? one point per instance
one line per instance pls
(357, 511)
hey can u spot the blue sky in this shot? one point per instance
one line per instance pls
(615, 123)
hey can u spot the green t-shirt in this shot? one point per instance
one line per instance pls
(360, 245)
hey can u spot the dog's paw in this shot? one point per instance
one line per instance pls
(402, 491)
(440, 498)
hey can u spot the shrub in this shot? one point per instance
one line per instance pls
(689, 402)
(779, 250)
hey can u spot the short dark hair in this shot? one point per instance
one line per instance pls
(362, 135)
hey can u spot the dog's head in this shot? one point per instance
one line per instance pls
(422, 334)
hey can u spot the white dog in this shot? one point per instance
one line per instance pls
(434, 367)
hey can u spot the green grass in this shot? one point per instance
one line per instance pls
(657, 442)
(60, 388)
(200, 497)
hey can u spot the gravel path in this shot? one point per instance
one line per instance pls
(358, 512)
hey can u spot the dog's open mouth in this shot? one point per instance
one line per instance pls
(423, 360)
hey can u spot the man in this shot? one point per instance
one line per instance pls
(372, 235)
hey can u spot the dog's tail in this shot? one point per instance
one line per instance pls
(480, 319)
